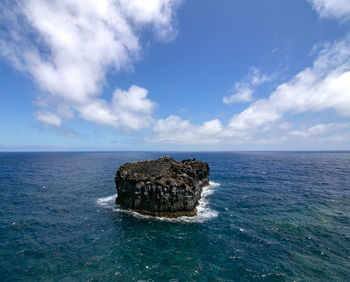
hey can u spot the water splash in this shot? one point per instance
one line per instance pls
(107, 201)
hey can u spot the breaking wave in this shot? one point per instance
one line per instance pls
(204, 212)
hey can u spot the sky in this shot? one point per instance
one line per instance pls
(174, 75)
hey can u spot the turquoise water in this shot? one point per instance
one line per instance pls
(273, 216)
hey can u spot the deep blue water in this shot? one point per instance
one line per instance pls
(274, 216)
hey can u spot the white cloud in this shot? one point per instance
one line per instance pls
(321, 130)
(243, 94)
(129, 109)
(211, 128)
(332, 8)
(158, 12)
(48, 118)
(325, 85)
(324, 133)
(68, 46)
(174, 130)
(243, 91)
(256, 77)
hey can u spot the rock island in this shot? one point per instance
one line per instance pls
(162, 187)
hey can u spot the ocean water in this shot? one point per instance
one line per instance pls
(270, 216)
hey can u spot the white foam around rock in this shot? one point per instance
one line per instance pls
(204, 212)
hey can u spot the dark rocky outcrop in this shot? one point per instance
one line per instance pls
(162, 187)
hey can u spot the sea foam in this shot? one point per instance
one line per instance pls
(107, 201)
(204, 212)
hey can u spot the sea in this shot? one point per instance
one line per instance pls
(266, 216)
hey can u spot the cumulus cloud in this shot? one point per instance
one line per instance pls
(243, 90)
(129, 109)
(323, 86)
(68, 46)
(339, 9)
(174, 130)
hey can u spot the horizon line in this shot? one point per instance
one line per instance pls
(168, 151)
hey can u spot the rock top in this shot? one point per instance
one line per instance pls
(162, 187)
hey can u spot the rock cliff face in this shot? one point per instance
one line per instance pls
(162, 187)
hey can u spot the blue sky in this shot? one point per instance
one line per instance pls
(175, 75)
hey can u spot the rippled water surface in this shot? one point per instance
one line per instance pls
(274, 216)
